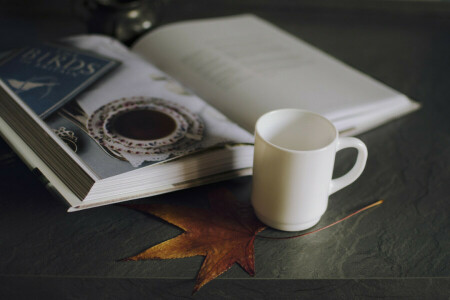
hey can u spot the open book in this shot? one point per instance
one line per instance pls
(139, 132)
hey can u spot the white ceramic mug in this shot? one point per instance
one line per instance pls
(293, 167)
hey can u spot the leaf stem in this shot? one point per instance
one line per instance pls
(328, 226)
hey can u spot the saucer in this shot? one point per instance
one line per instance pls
(144, 125)
(194, 127)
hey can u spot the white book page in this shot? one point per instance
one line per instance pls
(137, 85)
(245, 67)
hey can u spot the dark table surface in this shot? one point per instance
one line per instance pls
(399, 249)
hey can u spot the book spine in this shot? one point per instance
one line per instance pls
(33, 162)
(49, 186)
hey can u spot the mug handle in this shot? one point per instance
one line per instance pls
(353, 174)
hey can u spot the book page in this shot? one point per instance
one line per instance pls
(245, 67)
(137, 116)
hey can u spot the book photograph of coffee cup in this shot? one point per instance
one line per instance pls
(151, 127)
(147, 126)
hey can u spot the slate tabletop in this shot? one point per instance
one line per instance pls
(397, 250)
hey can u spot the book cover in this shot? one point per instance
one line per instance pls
(46, 76)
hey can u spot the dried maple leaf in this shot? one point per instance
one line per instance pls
(224, 235)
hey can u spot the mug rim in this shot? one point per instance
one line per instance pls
(336, 133)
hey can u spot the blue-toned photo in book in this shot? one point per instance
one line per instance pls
(46, 76)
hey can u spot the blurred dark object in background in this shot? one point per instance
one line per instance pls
(125, 20)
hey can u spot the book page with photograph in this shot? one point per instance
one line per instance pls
(138, 116)
(245, 67)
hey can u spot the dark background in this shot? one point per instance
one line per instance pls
(49, 19)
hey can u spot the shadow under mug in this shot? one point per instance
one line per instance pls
(293, 166)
